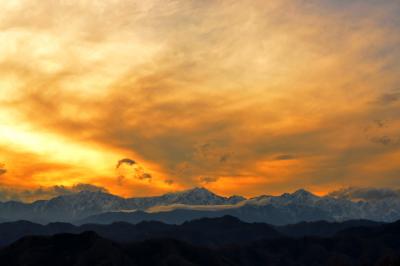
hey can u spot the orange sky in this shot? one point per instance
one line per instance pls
(242, 97)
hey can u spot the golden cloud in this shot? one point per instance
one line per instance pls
(225, 89)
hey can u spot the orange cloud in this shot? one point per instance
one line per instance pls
(255, 96)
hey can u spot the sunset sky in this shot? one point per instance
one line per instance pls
(241, 97)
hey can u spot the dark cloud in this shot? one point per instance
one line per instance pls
(86, 187)
(138, 174)
(376, 125)
(382, 132)
(125, 161)
(284, 157)
(208, 179)
(137, 171)
(383, 140)
(120, 180)
(224, 158)
(3, 170)
(381, 123)
(169, 181)
(354, 193)
(144, 176)
(7, 194)
(204, 150)
(389, 98)
(212, 154)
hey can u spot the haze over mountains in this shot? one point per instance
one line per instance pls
(176, 208)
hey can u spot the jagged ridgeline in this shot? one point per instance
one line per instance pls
(176, 208)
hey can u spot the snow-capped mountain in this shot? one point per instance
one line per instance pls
(198, 196)
(200, 202)
(195, 196)
(301, 196)
(85, 203)
(338, 209)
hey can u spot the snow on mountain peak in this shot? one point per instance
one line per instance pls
(301, 204)
(200, 192)
(303, 194)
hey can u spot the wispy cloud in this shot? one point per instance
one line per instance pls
(200, 89)
(389, 97)
(208, 179)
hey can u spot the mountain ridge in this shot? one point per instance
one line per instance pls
(178, 207)
(85, 203)
(378, 245)
(204, 231)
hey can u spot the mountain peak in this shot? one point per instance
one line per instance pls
(300, 196)
(85, 194)
(303, 193)
(207, 222)
(199, 196)
(199, 190)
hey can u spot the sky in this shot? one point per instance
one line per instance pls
(140, 98)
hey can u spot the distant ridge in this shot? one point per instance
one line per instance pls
(178, 207)
(227, 242)
(79, 205)
(204, 231)
(288, 208)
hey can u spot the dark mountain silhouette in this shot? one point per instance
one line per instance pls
(210, 232)
(178, 216)
(379, 246)
(323, 228)
(249, 213)
(64, 250)
(205, 231)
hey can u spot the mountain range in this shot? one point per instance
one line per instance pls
(222, 241)
(209, 232)
(176, 208)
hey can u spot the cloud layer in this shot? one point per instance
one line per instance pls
(248, 97)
